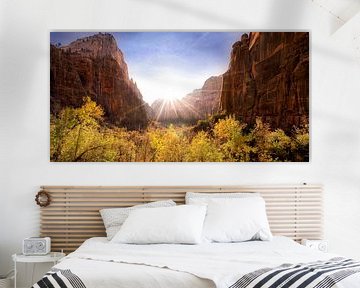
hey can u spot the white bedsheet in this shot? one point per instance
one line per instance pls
(102, 264)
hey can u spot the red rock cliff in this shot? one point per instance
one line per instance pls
(206, 101)
(94, 66)
(268, 77)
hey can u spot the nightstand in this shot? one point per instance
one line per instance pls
(320, 245)
(53, 257)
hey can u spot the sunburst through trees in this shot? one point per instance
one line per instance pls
(80, 134)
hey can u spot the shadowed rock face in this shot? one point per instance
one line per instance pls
(206, 101)
(94, 66)
(194, 106)
(268, 77)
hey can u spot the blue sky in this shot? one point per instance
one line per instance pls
(168, 64)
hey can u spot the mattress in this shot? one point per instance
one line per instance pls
(99, 263)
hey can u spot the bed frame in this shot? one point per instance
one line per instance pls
(73, 215)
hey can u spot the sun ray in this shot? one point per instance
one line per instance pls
(173, 106)
(190, 106)
(160, 110)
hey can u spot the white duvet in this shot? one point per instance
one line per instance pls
(100, 263)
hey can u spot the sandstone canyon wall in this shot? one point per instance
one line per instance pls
(268, 77)
(207, 99)
(94, 66)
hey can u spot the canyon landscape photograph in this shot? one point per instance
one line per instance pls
(179, 96)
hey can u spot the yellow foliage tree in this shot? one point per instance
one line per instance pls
(76, 135)
(300, 143)
(80, 134)
(259, 136)
(169, 144)
(279, 145)
(203, 149)
(233, 143)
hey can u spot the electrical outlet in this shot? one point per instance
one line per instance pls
(320, 245)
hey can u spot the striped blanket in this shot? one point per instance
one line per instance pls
(59, 278)
(320, 274)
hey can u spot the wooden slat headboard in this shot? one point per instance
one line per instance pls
(73, 215)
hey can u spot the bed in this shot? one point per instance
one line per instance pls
(99, 263)
(294, 211)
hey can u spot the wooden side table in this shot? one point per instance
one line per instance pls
(53, 257)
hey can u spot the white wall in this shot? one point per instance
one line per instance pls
(24, 108)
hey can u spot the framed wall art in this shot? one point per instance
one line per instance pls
(179, 96)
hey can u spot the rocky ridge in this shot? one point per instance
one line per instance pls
(268, 77)
(94, 66)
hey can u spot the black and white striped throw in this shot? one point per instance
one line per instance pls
(59, 278)
(320, 274)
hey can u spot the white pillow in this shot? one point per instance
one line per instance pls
(204, 198)
(236, 220)
(113, 218)
(180, 224)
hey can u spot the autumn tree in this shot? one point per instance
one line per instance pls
(169, 144)
(300, 143)
(233, 143)
(203, 149)
(76, 135)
